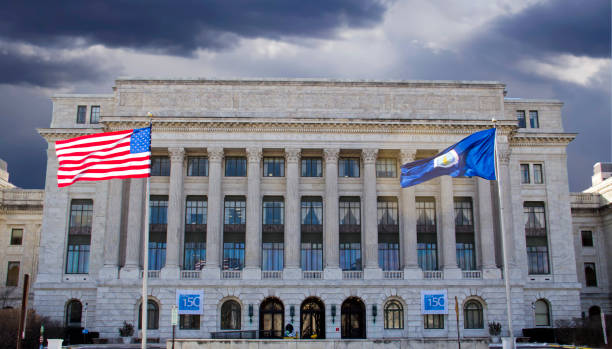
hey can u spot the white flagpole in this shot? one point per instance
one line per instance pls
(504, 242)
(145, 262)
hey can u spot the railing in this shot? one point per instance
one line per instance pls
(21, 196)
(584, 198)
(393, 274)
(231, 274)
(151, 274)
(312, 274)
(472, 274)
(352, 274)
(190, 274)
(272, 274)
(433, 274)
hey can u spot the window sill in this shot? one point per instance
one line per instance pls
(75, 277)
(540, 277)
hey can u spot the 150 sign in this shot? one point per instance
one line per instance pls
(190, 301)
(434, 302)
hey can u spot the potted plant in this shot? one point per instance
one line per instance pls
(495, 331)
(126, 332)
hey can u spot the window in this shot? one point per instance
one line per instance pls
(350, 233)
(12, 274)
(388, 234)
(533, 119)
(464, 234)
(234, 233)
(525, 177)
(158, 220)
(536, 238)
(230, 315)
(160, 166)
(272, 234)
(81, 113)
(538, 178)
(274, 167)
(152, 315)
(427, 241)
(189, 322)
(197, 166)
(235, 211)
(394, 315)
(312, 233)
(433, 321)
(590, 276)
(74, 309)
(273, 211)
(312, 211)
(538, 175)
(195, 232)
(348, 167)
(472, 315)
(587, 238)
(386, 168)
(16, 236)
(79, 236)
(94, 115)
(350, 211)
(235, 166)
(542, 313)
(520, 116)
(387, 211)
(312, 167)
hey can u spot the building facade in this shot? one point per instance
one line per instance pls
(280, 200)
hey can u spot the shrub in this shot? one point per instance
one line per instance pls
(127, 330)
(9, 326)
(494, 328)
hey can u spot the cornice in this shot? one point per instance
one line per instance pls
(56, 134)
(535, 139)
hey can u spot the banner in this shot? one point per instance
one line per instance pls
(434, 302)
(190, 302)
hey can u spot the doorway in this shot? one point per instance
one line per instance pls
(353, 318)
(312, 316)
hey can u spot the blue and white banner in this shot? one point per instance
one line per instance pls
(190, 302)
(434, 302)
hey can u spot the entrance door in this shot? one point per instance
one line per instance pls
(312, 315)
(353, 318)
(271, 318)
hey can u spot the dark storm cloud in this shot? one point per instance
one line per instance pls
(180, 27)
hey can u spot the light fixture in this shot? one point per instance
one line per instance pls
(333, 312)
(250, 313)
(374, 312)
(292, 312)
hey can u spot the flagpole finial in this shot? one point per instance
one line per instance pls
(149, 114)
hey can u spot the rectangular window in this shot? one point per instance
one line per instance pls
(433, 321)
(312, 211)
(590, 276)
(533, 119)
(235, 166)
(94, 115)
(189, 322)
(350, 211)
(235, 211)
(12, 274)
(16, 236)
(311, 254)
(464, 234)
(427, 241)
(525, 178)
(350, 233)
(536, 238)
(386, 168)
(348, 167)
(274, 167)
(158, 225)
(388, 233)
(234, 220)
(79, 236)
(81, 114)
(160, 166)
(520, 116)
(197, 166)
(273, 211)
(272, 253)
(312, 167)
(196, 210)
(538, 177)
(587, 238)
(233, 253)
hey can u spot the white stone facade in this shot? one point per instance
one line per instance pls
(329, 119)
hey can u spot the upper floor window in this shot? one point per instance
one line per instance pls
(159, 209)
(312, 167)
(590, 276)
(160, 166)
(196, 210)
(538, 177)
(81, 114)
(348, 167)
(94, 115)
(426, 215)
(525, 176)
(520, 116)
(386, 168)
(533, 119)
(16, 236)
(12, 274)
(79, 236)
(387, 210)
(587, 238)
(235, 166)
(273, 211)
(350, 211)
(463, 212)
(197, 166)
(235, 211)
(312, 211)
(536, 238)
(274, 167)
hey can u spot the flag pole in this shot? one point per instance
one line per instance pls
(145, 272)
(504, 242)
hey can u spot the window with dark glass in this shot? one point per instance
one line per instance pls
(536, 238)
(234, 233)
(158, 224)
(235, 166)
(189, 322)
(273, 233)
(427, 240)
(538, 177)
(433, 321)
(525, 178)
(312, 233)
(160, 166)
(388, 233)
(542, 313)
(79, 236)
(197, 166)
(94, 115)
(348, 167)
(230, 315)
(312, 167)
(534, 122)
(464, 234)
(152, 315)
(587, 238)
(472, 315)
(520, 116)
(81, 114)
(74, 310)
(16, 236)
(394, 315)
(386, 168)
(196, 209)
(274, 167)
(590, 276)
(12, 274)
(350, 233)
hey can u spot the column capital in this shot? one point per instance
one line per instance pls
(331, 154)
(215, 154)
(369, 155)
(293, 155)
(254, 154)
(176, 153)
(504, 152)
(407, 155)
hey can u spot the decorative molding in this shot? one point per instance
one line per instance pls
(407, 155)
(369, 155)
(293, 155)
(215, 154)
(331, 154)
(176, 154)
(254, 154)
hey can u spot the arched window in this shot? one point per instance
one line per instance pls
(472, 315)
(152, 315)
(230, 315)
(394, 315)
(542, 313)
(74, 309)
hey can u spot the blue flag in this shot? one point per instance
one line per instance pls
(472, 156)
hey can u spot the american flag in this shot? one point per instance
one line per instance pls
(120, 154)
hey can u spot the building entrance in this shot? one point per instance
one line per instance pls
(271, 318)
(312, 315)
(353, 318)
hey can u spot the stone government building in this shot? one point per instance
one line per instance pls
(280, 199)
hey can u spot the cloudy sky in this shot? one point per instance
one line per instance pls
(541, 49)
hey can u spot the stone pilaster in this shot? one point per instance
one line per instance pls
(252, 268)
(292, 215)
(408, 221)
(449, 245)
(110, 269)
(215, 214)
(503, 155)
(331, 244)
(372, 270)
(133, 245)
(487, 242)
(175, 214)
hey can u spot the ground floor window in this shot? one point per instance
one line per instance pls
(433, 321)
(189, 322)
(230, 315)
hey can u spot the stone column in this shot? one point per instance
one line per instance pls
(372, 270)
(252, 268)
(292, 215)
(175, 214)
(135, 226)
(487, 242)
(449, 245)
(331, 244)
(112, 231)
(503, 154)
(215, 214)
(408, 221)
